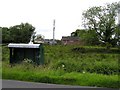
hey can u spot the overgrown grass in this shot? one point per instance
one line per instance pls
(42, 74)
(75, 65)
(99, 61)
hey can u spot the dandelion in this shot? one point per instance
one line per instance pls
(63, 65)
(83, 71)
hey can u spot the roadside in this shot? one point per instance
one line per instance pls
(22, 84)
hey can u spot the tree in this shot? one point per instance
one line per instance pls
(0, 35)
(38, 38)
(118, 35)
(5, 35)
(21, 33)
(87, 36)
(102, 20)
(18, 33)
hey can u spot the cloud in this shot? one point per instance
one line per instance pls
(40, 13)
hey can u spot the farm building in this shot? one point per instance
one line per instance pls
(68, 40)
(50, 41)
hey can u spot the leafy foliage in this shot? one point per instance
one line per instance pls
(102, 20)
(89, 37)
(18, 33)
(79, 59)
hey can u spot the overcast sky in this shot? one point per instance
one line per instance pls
(40, 13)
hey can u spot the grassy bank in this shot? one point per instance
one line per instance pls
(75, 65)
(40, 74)
(82, 59)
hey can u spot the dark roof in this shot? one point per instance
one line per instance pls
(70, 38)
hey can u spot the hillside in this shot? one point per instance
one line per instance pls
(76, 65)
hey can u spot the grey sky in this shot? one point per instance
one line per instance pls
(40, 13)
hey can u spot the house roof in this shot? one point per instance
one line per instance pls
(13, 45)
(70, 38)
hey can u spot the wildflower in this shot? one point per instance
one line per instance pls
(63, 65)
(83, 71)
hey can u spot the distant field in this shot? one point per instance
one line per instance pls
(75, 65)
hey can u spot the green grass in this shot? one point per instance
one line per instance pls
(41, 74)
(101, 62)
(74, 65)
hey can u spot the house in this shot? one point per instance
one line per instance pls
(68, 40)
(45, 41)
(50, 41)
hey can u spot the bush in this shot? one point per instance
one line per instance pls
(79, 49)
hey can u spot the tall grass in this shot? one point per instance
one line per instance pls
(75, 65)
(99, 61)
(46, 75)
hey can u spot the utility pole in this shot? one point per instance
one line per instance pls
(119, 17)
(118, 43)
(54, 31)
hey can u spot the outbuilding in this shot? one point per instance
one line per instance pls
(19, 52)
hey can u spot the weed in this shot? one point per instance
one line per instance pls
(75, 65)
